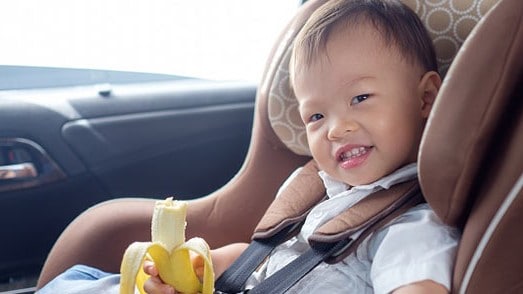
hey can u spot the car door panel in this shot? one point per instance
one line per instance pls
(128, 151)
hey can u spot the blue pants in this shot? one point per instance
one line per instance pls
(81, 279)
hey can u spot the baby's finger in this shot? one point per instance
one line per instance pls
(154, 285)
(198, 264)
(150, 269)
(199, 272)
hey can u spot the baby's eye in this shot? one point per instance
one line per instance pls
(315, 117)
(359, 99)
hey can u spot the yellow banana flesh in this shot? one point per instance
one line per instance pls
(169, 252)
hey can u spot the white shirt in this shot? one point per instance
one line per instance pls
(413, 247)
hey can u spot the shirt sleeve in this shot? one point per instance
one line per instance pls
(416, 246)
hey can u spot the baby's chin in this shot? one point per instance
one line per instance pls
(362, 175)
(359, 181)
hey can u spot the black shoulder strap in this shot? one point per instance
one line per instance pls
(289, 275)
(234, 278)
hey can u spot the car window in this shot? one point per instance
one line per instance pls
(221, 40)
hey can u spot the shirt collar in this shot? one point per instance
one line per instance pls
(403, 174)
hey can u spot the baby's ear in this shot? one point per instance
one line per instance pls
(429, 86)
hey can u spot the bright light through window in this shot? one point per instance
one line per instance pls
(224, 40)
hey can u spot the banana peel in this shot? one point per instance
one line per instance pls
(170, 253)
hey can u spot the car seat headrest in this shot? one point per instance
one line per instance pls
(469, 131)
(448, 21)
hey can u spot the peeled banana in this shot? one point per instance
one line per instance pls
(169, 252)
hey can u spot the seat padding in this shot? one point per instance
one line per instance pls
(470, 162)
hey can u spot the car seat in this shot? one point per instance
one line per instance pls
(470, 159)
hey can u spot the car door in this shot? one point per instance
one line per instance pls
(66, 148)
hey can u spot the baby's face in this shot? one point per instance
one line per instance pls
(362, 105)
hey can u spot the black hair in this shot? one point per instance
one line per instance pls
(395, 21)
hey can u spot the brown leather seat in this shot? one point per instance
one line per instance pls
(470, 160)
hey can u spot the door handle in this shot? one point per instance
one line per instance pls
(25, 164)
(25, 170)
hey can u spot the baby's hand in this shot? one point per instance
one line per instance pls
(155, 285)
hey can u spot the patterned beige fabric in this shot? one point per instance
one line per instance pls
(448, 21)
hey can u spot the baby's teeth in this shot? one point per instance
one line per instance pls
(354, 152)
(357, 151)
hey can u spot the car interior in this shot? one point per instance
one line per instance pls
(470, 163)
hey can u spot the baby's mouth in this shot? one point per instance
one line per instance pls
(353, 153)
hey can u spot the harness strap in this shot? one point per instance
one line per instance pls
(325, 249)
(285, 278)
(234, 278)
(332, 242)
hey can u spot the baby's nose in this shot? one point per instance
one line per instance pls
(341, 126)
